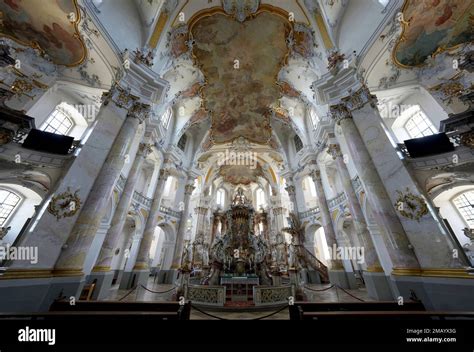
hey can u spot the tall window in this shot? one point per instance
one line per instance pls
(8, 202)
(220, 197)
(418, 125)
(182, 142)
(166, 118)
(465, 204)
(168, 184)
(314, 118)
(260, 195)
(298, 143)
(58, 122)
(311, 186)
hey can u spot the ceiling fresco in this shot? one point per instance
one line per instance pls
(431, 26)
(241, 174)
(52, 28)
(238, 97)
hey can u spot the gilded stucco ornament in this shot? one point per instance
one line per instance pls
(240, 9)
(411, 206)
(65, 205)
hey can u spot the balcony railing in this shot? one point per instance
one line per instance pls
(170, 212)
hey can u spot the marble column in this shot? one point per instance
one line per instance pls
(72, 257)
(201, 213)
(141, 267)
(384, 213)
(101, 271)
(290, 188)
(337, 275)
(278, 214)
(374, 277)
(370, 255)
(178, 251)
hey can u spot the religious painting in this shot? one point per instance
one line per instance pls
(241, 73)
(48, 25)
(240, 174)
(431, 26)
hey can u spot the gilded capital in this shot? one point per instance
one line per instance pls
(139, 111)
(164, 173)
(145, 149)
(188, 189)
(339, 112)
(316, 175)
(335, 151)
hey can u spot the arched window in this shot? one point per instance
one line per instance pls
(465, 205)
(310, 186)
(260, 195)
(182, 142)
(168, 184)
(58, 122)
(220, 197)
(298, 143)
(166, 118)
(8, 202)
(418, 125)
(314, 118)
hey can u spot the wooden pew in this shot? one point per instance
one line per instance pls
(300, 310)
(167, 310)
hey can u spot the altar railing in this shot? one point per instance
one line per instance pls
(206, 295)
(271, 295)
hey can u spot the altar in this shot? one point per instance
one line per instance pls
(239, 288)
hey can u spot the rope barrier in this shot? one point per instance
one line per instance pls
(220, 318)
(208, 314)
(162, 292)
(133, 289)
(324, 289)
(269, 315)
(337, 287)
(350, 294)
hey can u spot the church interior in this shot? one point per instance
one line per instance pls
(237, 159)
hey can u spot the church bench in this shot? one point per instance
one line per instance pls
(173, 309)
(300, 309)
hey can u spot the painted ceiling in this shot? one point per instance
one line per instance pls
(239, 98)
(241, 174)
(49, 25)
(431, 26)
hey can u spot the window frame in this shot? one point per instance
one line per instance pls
(15, 207)
(47, 123)
(425, 119)
(261, 192)
(453, 202)
(166, 119)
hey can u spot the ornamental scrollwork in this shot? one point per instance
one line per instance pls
(411, 206)
(65, 204)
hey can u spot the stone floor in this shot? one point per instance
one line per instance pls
(323, 294)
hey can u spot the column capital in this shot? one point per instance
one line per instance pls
(354, 101)
(290, 189)
(316, 175)
(164, 173)
(145, 149)
(139, 111)
(120, 97)
(335, 151)
(188, 189)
